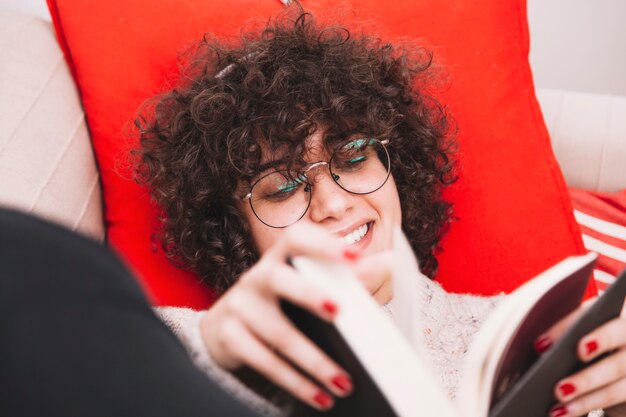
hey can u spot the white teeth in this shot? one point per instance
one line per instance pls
(356, 235)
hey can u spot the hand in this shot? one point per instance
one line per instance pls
(602, 385)
(247, 327)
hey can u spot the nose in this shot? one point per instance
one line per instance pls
(328, 200)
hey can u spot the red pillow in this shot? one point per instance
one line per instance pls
(513, 209)
(602, 221)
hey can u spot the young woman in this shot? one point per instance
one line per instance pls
(309, 140)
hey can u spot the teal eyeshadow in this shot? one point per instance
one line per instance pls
(358, 143)
(290, 186)
(285, 188)
(357, 159)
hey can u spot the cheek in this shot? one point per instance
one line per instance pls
(392, 211)
(386, 202)
(264, 237)
(392, 203)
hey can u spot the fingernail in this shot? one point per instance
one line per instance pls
(343, 382)
(558, 411)
(330, 307)
(351, 253)
(323, 400)
(542, 344)
(567, 389)
(591, 347)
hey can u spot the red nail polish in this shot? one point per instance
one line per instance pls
(567, 389)
(323, 400)
(591, 347)
(351, 254)
(330, 307)
(543, 344)
(343, 382)
(558, 411)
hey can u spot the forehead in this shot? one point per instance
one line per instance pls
(315, 146)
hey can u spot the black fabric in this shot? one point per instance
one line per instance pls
(78, 337)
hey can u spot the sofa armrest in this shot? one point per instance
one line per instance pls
(47, 166)
(588, 133)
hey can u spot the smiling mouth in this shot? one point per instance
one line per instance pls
(356, 235)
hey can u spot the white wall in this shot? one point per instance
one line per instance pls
(577, 45)
(36, 7)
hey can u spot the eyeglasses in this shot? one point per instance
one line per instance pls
(281, 198)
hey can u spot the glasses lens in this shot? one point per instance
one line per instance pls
(280, 198)
(361, 166)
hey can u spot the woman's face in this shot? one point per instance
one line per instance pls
(343, 214)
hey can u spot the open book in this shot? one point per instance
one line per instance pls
(504, 377)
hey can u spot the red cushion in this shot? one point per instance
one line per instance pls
(602, 220)
(514, 211)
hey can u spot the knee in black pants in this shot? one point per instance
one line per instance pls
(78, 337)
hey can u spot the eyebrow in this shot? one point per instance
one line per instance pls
(271, 164)
(275, 163)
(265, 167)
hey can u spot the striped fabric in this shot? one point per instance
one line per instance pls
(602, 220)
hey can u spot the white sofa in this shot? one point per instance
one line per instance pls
(47, 165)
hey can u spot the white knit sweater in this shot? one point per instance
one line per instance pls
(446, 326)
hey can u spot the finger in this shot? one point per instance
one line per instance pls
(258, 356)
(603, 398)
(603, 373)
(275, 330)
(218, 338)
(547, 339)
(608, 337)
(374, 270)
(309, 240)
(283, 282)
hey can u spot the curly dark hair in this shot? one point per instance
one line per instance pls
(271, 90)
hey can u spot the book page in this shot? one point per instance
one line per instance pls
(405, 296)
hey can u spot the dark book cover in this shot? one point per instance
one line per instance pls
(366, 399)
(533, 394)
(552, 306)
